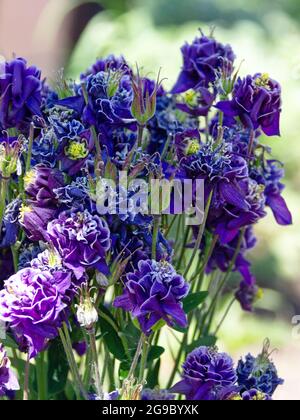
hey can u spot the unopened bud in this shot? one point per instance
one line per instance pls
(87, 315)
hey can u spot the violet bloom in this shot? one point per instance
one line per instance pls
(205, 374)
(270, 174)
(259, 373)
(154, 292)
(109, 63)
(20, 92)
(81, 239)
(257, 102)
(201, 61)
(10, 225)
(75, 152)
(40, 183)
(248, 294)
(34, 220)
(8, 380)
(32, 303)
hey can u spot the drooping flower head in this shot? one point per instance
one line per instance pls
(81, 239)
(8, 380)
(205, 374)
(248, 293)
(20, 94)
(10, 226)
(259, 373)
(201, 61)
(34, 220)
(257, 102)
(32, 302)
(154, 292)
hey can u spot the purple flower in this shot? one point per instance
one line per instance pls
(32, 302)
(257, 102)
(109, 63)
(197, 102)
(259, 373)
(205, 374)
(20, 92)
(201, 61)
(154, 292)
(248, 294)
(80, 347)
(34, 220)
(270, 175)
(8, 380)
(110, 97)
(81, 239)
(75, 152)
(40, 182)
(10, 226)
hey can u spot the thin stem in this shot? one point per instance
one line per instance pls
(200, 235)
(41, 377)
(26, 380)
(145, 351)
(140, 135)
(224, 316)
(136, 357)
(30, 144)
(96, 364)
(69, 358)
(168, 230)
(156, 224)
(3, 193)
(177, 361)
(226, 276)
(183, 249)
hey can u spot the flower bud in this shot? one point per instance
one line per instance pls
(87, 314)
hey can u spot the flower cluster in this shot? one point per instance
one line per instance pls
(210, 375)
(64, 232)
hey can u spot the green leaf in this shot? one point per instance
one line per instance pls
(155, 352)
(153, 375)
(112, 340)
(208, 341)
(58, 368)
(9, 342)
(193, 300)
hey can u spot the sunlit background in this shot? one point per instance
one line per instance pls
(265, 35)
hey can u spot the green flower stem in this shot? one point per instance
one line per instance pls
(177, 361)
(200, 236)
(136, 357)
(224, 316)
(42, 376)
(3, 192)
(95, 363)
(30, 144)
(156, 224)
(140, 135)
(26, 380)
(225, 279)
(145, 352)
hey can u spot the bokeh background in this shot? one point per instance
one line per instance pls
(70, 34)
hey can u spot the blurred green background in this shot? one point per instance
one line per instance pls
(265, 35)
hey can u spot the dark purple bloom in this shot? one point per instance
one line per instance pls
(39, 184)
(205, 373)
(197, 102)
(75, 152)
(10, 225)
(248, 294)
(257, 102)
(6, 265)
(270, 174)
(259, 373)
(233, 393)
(110, 97)
(20, 92)
(154, 292)
(44, 149)
(32, 302)
(81, 239)
(8, 380)
(34, 220)
(109, 63)
(201, 61)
